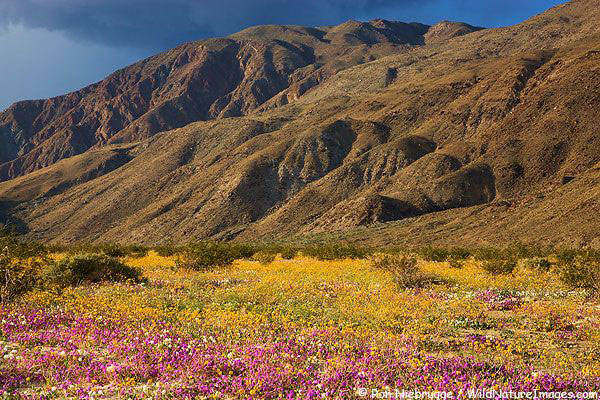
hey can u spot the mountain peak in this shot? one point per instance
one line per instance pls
(445, 30)
(202, 80)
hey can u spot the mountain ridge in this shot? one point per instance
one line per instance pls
(201, 80)
(494, 129)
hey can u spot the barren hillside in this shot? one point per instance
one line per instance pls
(382, 132)
(203, 80)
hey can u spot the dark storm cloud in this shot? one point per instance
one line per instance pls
(164, 23)
(82, 41)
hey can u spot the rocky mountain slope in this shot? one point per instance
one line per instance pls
(485, 137)
(203, 80)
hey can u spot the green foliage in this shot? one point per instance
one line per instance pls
(110, 249)
(264, 257)
(204, 256)
(438, 254)
(335, 251)
(499, 266)
(488, 253)
(15, 276)
(435, 254)
(458, 253)
(91, 268)
(512, 252)
(581, 273)
(241, 251)
(20, 264)
(539, 263)
(137, 251)
(405, 271)
(288, 252)
(569, 255)
(19, 248)
(499, 261)
(518, 250)
(168, 250)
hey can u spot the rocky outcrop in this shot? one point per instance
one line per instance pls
(265, 66)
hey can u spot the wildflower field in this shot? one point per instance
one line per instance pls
(300, 328)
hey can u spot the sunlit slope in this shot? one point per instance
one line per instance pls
(499, 116)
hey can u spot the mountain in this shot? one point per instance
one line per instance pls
(203, 80)
(376, 132)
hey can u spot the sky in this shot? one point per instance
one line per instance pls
(52, 47)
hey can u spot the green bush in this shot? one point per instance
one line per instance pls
(241, 251)
(499, 266)
(518, 250)
(565, 256)
(405, 271)
(110, 249)
(458, 253)
(168, 250)
(581, 273)
(91, 268)
(335, 251)
(264, 257)
(137, 251)
(435, 254)
(539, 263)
(16, 278)
(455, 263)
(288, 252)
(488, 253)
(203, 256)
(19, 248)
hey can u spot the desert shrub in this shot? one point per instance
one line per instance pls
(91, 268)
(264, 257)
(137, 251)
(437, 254)
(565, 256)
(110, 249)
(168, 250)
(405, 271)
(335, 251)
(458, 253)
(288, 252)
(17, 276)
(454, 263)
(241, 250)
(518, 250)
(488, 253)
(539, 263)
(499, 266)
(19, 248)
(203, 256)
(433, 254)
(581, 273)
